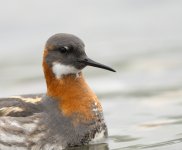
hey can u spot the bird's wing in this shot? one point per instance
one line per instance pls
(21, 106)
(19, 119)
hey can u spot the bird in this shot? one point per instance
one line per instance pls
(68, 114)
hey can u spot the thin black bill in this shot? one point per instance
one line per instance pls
(90, 62)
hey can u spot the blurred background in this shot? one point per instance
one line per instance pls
(141, 39)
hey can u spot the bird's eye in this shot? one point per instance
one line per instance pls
(63, 49)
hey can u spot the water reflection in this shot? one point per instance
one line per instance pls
(91, 147)
(160, 123)
(122, 138)
(160, 145)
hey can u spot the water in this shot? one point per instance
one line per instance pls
(142, 40)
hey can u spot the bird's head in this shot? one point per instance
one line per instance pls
(65, 54)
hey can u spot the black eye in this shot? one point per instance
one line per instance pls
(63, 49)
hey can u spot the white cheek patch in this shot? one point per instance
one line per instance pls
(60, 69)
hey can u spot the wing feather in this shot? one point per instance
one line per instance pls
(21, 106)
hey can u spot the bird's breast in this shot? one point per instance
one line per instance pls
(75, 98)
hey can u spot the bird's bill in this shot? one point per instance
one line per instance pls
(90, 62)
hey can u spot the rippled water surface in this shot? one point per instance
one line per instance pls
(141, 39)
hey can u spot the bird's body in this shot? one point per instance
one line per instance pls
(69, 114)
(36, 122)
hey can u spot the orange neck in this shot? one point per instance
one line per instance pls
(74, 95)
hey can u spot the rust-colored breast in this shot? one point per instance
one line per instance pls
(75, 97)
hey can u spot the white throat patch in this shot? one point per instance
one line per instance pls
(60, 69)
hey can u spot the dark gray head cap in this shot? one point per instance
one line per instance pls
(68, 49)
(63, 39)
